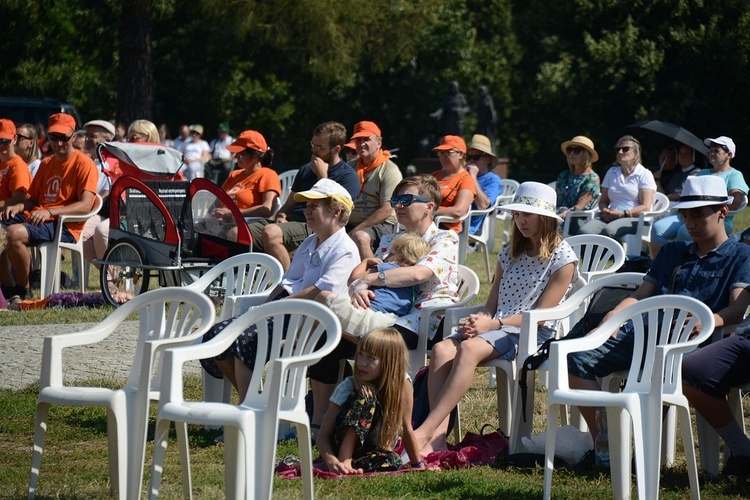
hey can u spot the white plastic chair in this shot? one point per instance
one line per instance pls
(468, 288)
(571, 310)
(275, 394)
(633, 243)
(509, 188)
(486, 235)
(287, 179)
(663, 327)
(463, 235)
(586, 215)
(50, 253)
(597, 255)
(242, 281)
(740, 208)
(168, 317)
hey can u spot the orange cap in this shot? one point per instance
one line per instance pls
(61, 123)
(365, 129)
(249, 139)
(7, 129)
(451, 142)
(351, 145)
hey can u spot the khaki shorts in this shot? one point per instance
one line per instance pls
(294, 233)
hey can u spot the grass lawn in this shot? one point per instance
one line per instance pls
(75, 460)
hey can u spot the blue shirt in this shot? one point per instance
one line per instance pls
(491, 186)
(306, 179)
(708, 279)
(392, 300)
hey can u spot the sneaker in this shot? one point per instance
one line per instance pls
(738, 466)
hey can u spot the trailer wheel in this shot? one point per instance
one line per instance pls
(123, 276)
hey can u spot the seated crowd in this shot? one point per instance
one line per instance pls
(361, 238)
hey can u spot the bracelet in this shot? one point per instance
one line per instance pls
(501, 324)
(627, 213)
(50, 212)
(417, 465)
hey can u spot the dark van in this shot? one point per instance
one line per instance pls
(28, 110)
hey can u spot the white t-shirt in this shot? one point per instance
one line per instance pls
(219, 149)
(194, 150)
(623, 192)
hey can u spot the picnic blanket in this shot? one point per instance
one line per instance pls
(473, 450)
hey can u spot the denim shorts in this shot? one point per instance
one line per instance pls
(41, 234)
(614, 355)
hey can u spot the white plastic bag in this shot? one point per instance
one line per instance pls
(570, 444)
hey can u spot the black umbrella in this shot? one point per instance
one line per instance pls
(660, 134)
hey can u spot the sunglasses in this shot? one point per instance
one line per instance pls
(474, 157)
(624, 149)
(23, 137)
(574, 149)
(250, 153)
(407, 199)
(59, 137)
(444, 154)
(5, 142)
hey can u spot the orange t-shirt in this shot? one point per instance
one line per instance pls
(14, 176)
(59, 184)
(247, 191)
(449, 190)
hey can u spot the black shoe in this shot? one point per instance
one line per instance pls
(587, 462)
(738, 466)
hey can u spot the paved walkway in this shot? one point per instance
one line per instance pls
(21, 354)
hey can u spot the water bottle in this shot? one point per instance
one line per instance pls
(601, 444)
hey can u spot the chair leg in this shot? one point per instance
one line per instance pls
(184, 446)
(708, 445)
(504, 402)
(235, 475)
(305, 459)
(118, 454)
(549, 451)
(687, 439)
(457, 426)
(40, 431)
(668, 441)
(618, 425)
(161, 439)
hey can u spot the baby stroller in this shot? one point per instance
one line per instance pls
(162, 232)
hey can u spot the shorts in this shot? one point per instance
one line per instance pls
(293, 233)
(505, 340)
(41, 234)
(376, 232)
(718, 367)
(614, 355)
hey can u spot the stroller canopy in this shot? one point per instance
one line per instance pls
(150, 158)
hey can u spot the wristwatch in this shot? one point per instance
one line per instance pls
(381, 275)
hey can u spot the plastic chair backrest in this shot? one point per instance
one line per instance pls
(287, 179)
(740, 208)
(598, 255)
(509, 188)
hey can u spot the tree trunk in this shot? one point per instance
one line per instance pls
(135, 78)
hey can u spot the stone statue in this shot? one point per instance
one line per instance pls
(453, 112)
(486, 116)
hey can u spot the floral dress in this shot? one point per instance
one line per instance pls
(570, 187)
(363, 414)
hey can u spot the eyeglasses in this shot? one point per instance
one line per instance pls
(136, 138)
(23, 137)
(249, 152)
(474, 157)
(59, 137)
(444, 154)
(624, 149)
(5, 142)
(315, 147)
(575, 150)
(718, 147)
(407, 199)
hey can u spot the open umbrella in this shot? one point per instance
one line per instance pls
(658, 133)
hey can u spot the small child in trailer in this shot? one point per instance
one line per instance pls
(371, 409)
(386, 303)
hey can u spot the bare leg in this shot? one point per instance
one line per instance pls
(273, 244)
(6, 276)
(588, 412)
(321, 395)
(18, 253)
(715, 410)
(363, 242)
(469, 354)
(227, 368)
(242, 375)
(654, 248)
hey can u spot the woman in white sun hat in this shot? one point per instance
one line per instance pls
(535, 270)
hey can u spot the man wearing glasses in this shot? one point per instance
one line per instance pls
(282, 235)
(64, 185)
(479, 163)
(15, 177)
(372, 216)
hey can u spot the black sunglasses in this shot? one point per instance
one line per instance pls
(474, 157)
(5, 142)
(406, 199)
(574, 149)
(59, 137)
(624, 149)
(23, 137)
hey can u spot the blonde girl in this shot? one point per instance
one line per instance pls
(535, 270)
(370, 410)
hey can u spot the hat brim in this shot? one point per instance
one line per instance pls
(362, 135)
(698, 203)
(481, 149)
(7, 136)
(520, 207)
(592, 152)
(308, 195)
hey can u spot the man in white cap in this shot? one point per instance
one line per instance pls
(721, 152)
(713, 268)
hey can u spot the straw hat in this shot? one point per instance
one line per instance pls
(584, 142)
(534, 198)
(703, 190)
(482, 143)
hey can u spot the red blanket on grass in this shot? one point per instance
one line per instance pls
(473, 450)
